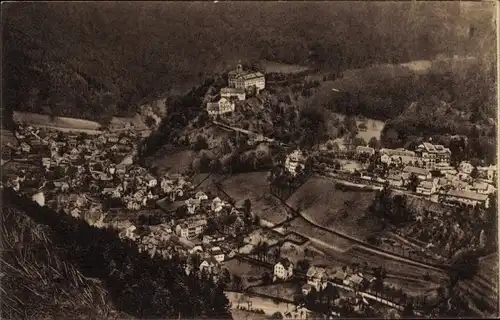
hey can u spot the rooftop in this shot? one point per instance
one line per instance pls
(468, 195)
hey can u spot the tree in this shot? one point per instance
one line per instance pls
(150, 121)
(303, 265)
(237, 283)
(413, 182)
(201, 143)
(247, 205)
(277, 315)
(474, 173)
(374, 143)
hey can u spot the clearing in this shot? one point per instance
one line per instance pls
(344, 211)
(255, 186)
(35, 119)
(249, 273)
(176, 162)
(284, 290)
(278, 67)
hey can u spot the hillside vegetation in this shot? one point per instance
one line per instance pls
(93, 59)
(38, 282)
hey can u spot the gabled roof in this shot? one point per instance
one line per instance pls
(253, 75)
(426, 185)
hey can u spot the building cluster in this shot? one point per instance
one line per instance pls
(241, 83)
(435, 177)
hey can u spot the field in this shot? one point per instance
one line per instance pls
(35, 119)
(373, 129)
(322, 203)
(245, 270)
(174, 163)
(255, 187)
(283, 290)
(277, 67)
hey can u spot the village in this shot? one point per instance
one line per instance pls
(97, 179)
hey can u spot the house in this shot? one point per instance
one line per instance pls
(221, 107)
(365, 150)
(114, 148)
(25, 147)
(432, 154)
(200, 195)
(113, 138)
(196, 249)
(233, 92)
(217, 205)
(317, 277)
(426, 188)
(133, 205)
(218, 254)
(395, 180)
(400, 156)
(283, 270)
(295, 162)
(150, 181)
(121, 169)
(46, 162)
(102, 139)
(190, 230)
(62, 186)
(355, 281)
(482, 187)
(422, 174)
(466, 167)
(192, 205)
(209, 265)
(213, 108)
(467, 197)
(488, 173)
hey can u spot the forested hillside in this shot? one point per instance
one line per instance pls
(90, 59)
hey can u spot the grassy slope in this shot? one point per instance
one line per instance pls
(37, 283)
(320, 201)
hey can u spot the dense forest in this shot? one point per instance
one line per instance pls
(138, 285)
(90, 59)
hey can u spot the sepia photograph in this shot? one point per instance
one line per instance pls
(249, 160)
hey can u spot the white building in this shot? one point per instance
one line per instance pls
(241, 79)
(223, 106)
(426, 188)
(317, 278)
(422, 174)
(432, 154)
(233, 92)
(467, 197)
(39, 198)
(295, 162)
(283, 270)
(218, 254)
(466, 167)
